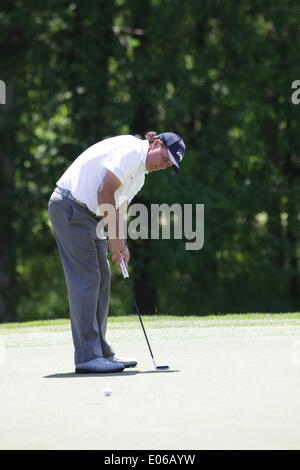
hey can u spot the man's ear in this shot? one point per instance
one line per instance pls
(157, 142)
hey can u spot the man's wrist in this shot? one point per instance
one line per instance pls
(115, 244)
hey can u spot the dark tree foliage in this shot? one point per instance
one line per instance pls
(217, 73)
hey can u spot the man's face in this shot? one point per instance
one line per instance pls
(157, 158)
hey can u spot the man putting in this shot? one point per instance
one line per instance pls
(109, 172)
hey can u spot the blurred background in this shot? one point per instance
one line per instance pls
(219, 73)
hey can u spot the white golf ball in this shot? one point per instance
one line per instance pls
(107, 392)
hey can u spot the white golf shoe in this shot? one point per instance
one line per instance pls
(119, 360)
(100, 365)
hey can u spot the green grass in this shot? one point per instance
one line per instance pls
(127, 328)
(165, 321)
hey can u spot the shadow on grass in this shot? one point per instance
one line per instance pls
(114, 374)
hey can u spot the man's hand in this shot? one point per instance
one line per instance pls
(119, 251)
(116, 246)
(125, 254)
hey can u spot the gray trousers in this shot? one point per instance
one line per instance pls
(87, 273)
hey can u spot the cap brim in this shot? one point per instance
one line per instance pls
(175, 163)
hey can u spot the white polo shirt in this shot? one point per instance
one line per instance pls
(124, 155)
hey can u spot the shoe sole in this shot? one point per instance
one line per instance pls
(89, 371)
(131, 365)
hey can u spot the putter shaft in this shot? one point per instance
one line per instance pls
(126, 276)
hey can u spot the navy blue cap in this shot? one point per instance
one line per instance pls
(175, 147)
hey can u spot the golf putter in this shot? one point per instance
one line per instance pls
(126, 276)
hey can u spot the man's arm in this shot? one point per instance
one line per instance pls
(106, 195)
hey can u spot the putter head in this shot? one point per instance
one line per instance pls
(162, 367)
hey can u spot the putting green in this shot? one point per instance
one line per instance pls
(233, 384)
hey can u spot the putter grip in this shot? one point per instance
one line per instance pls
(124, 269)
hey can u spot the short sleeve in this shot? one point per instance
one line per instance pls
(122, 162)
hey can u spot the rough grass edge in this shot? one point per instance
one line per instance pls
(232, 319)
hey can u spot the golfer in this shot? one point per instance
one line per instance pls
(110, 172)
